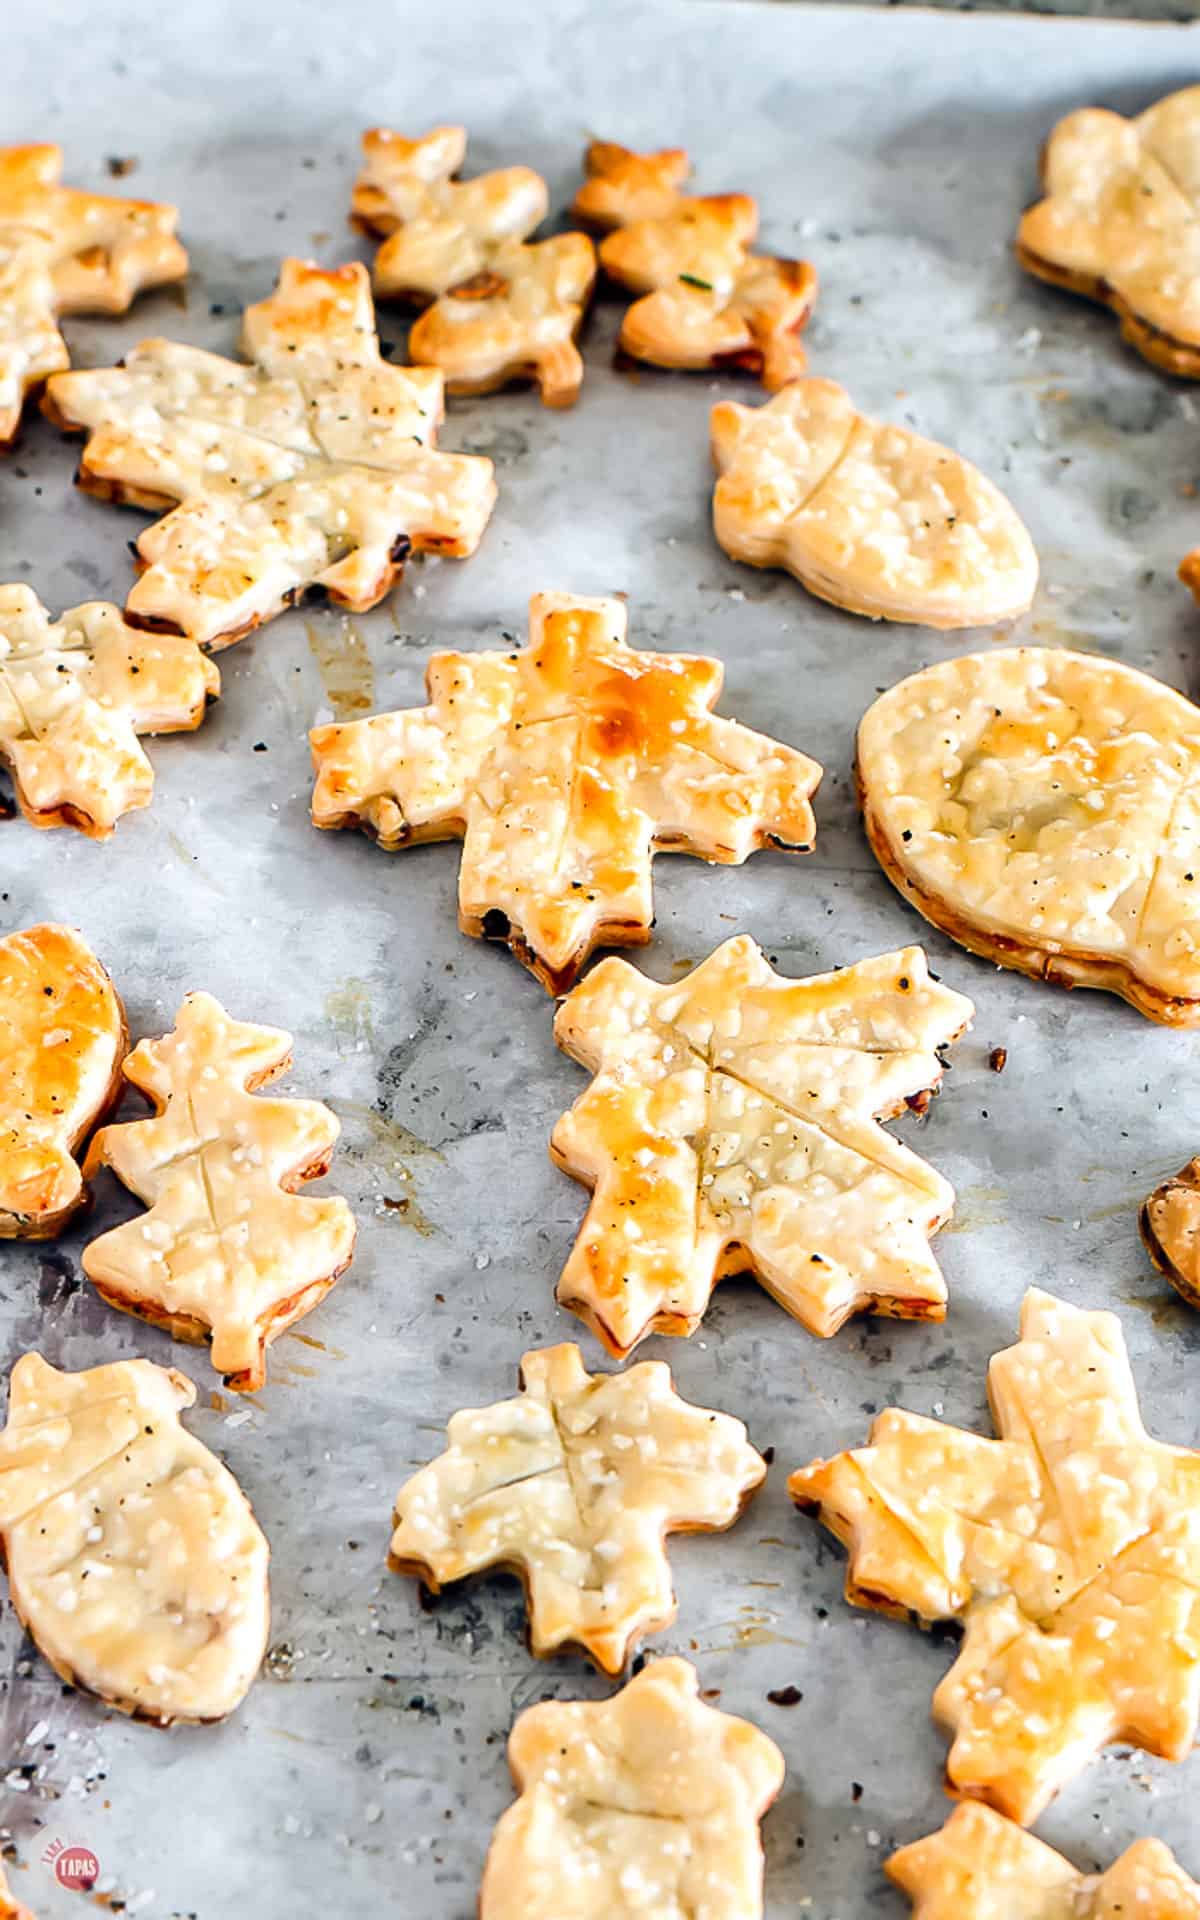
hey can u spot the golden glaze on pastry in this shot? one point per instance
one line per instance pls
(1170, 1228)
(1043, 808)
(497, 309)
(982, 1867)
(644, 1805)
(74, 696)
(707, 300)
(564, 768)
(62, 1040)
(574, 1486)
(869, 516)
(732, 1125)
(133, 1558)
(1120, 222)
(228, 1245)
(64, 251)
(315, 466)
(1069, 1548)
(10, 1906)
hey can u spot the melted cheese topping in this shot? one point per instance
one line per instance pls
(732, 1123)
(1121, 218)
(133, 1558)
(646, 1804)
(1048, 798)
(500, 310)
(315, 466)
(62, 1036)
(1070, 1547)
(227, 1244)
(981, 1867)
(564, 767)
(63, 251)
(575, 1484)
(74, 696)
(869, 516)
(708, 301)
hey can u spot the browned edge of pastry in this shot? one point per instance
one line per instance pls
(1188, 1178)
(1065, 967)
(1164, 350)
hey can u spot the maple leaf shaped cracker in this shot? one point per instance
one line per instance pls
(75, 694)
(228, 1244)
(732, 1125)
(707, 300)
(63, 251)
(62, 1040)
(1070, 1548)
(574, 1485)
(635, 1808)
(564, 768)
(497, 309)
(1043, 808)
(1120, 222)
(868, 516)
(315, 466)
(133, 1558)
(980, 1867)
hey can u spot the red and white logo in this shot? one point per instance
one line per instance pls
(73, 1866)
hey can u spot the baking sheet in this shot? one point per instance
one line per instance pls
(365, 1771)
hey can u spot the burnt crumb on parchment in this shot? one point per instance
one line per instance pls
(785, 1696)
(998, 1059)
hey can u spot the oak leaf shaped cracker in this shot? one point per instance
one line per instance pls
(1170, 1227)
(1043, 808)
(732, 1125)
(869, 516)
(62, 1040)
(574, 1485)
(644, 1805)
(133, 1558)
(65, 251)
(314, 466)
(228, 1244)
(75, 693)
(707, 300)
(1119, 222)
(564, 768)
(981, 1867)
(1069, 1548)
(496, 308)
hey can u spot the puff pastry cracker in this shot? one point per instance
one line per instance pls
(1043, 808)
(65, 251)
(133, 1558)
(1069, 1548)
(563, 768)
(1170, 1226)
(313, 466)
(228, 1245)
(575, 1485)
(62, 1040)
(981, 1867)
(869, 516)
(732, 1124)
(75, 693)
(10, 1906)
(497, 309)
(706, 299)
(1120, 222)
(644, 1805)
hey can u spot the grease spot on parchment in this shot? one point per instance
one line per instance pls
(977, 1207)
(344, 665)
(348, 1011)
